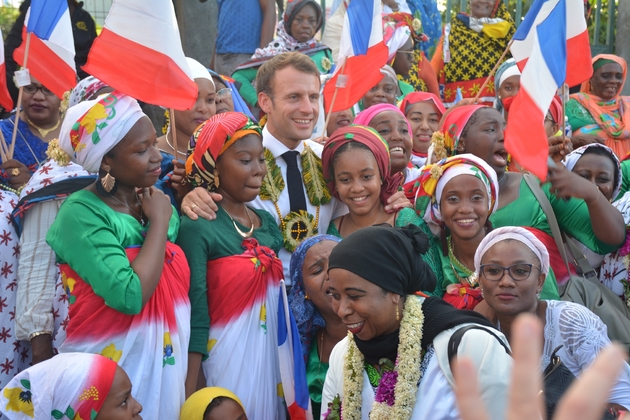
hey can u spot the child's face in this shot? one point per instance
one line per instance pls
(227, 410)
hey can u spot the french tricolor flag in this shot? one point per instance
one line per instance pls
(292, 367)
(5, 98)
(51, 48)
(551, 47)
(362, 53)
(139, 52)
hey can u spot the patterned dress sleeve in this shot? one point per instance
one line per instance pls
(194, 240)
(89, 241)
(584, 335)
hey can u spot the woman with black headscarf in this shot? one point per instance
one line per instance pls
(394, 362)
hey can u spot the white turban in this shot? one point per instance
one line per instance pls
(70, 385)
(518, 234)
(91, 129)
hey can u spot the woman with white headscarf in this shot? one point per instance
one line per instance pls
(179, 128)
(599, 164)
(110, 239)
(73, 386)
(464, 192)
(512, 265)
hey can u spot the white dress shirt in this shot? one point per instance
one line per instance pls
(327, 212)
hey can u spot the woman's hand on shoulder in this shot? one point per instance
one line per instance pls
(18, 173)
(584, 400)
(156, 205)
(201, 202)
(397, 202)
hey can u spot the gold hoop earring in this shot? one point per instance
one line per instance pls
(108, 182)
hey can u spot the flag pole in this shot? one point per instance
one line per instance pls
(171, 113)
(332, 102)
(564, 119)
(19, 101)
(496, 66)
(4, 149)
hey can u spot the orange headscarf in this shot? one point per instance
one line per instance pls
(612, 117)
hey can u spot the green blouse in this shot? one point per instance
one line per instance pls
(315, 377)
(625, 178)
(408, 216)
(205, 240)
(91, 238)
(578, 115)
(246, 76)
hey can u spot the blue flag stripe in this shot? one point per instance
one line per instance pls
(45, 15)
(528, 21)
(360, 16)
(552, 37)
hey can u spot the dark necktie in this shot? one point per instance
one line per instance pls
(294, 181)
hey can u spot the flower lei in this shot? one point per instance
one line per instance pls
(296, 227)
(397, 390)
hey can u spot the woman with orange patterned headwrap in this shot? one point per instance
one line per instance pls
(235, 274)
(599, 113)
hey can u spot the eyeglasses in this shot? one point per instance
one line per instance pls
(549, 118)
(518, 272)
(31, 89)
(224, 93)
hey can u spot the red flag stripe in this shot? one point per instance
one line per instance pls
(130, 68)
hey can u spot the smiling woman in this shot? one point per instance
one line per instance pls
(464, 192)
(599, 113)
(394, 364)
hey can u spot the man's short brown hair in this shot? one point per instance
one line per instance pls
(266, 73)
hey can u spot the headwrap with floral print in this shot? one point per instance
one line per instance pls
(210, 140)
(436, 176)
(70, 385)
(91, 129)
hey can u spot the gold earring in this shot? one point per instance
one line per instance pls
(306, 297)
(397, 314)
(108, 182)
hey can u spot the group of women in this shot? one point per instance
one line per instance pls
(192, 312)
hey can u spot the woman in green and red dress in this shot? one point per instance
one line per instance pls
(235, 274)
(126, 282)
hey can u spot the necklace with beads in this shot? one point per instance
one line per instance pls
(240, 232)
(471, 277)
(43, 132)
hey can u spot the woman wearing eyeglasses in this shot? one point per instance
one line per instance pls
(512, 265)
(40, 122)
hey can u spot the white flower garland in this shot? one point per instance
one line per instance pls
(407, 366)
